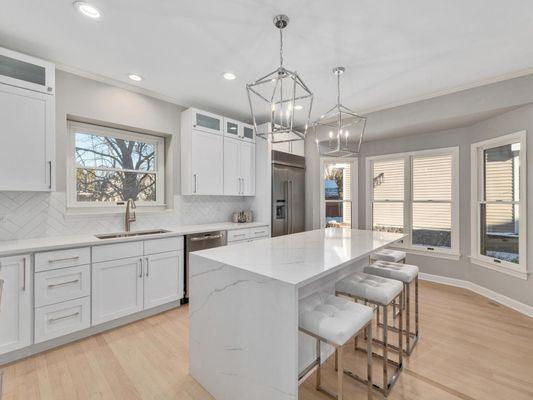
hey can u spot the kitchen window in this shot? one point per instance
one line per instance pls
(109, 166)
(499, 204)
(338, 192)
(416, 193)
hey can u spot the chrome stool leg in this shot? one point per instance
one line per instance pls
(411, 338)
(388, 382)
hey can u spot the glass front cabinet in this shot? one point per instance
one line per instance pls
(26, 72)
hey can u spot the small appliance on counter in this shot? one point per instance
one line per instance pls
(243, 216)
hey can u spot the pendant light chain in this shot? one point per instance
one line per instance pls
(281, 47)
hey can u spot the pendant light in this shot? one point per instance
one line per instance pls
(279, 98)
(339, 132)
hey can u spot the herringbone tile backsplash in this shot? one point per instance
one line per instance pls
(29, 215)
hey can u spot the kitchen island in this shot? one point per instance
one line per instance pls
(244, 339)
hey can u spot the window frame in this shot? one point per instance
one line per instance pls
(354, 176)
(406, 244)
(157, 141)
(476, 198)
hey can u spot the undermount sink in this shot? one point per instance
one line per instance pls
(130, 234)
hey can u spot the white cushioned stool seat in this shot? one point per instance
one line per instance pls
(401, 272)
(373, 288)
(388, 255)
(332, 318)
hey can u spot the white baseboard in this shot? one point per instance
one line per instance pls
(490, 294)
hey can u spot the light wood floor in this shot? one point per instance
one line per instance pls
(470, 348)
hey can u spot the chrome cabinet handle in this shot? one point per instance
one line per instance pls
(141, 265)
(1, 291)
(239, 235)
(64, 259)
(52, 285)
(52, 320)
(242, 190)
(50, 171)
(195, 186)
(24, 274)
(147, 266)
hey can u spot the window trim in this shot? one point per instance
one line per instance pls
(354, 176)
(476, 169)
(158, 141)
(454, 251)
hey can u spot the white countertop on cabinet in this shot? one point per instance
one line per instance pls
(12, 247)
(303, 257)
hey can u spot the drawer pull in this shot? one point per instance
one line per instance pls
(52, 285)
(260, 232)
(63, 259)
(52, 320)
(239, 235)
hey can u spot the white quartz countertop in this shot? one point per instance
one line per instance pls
(301, 258)
(11, 247)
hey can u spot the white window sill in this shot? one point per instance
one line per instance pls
(113, 210)
(502, 268)
(429, 253)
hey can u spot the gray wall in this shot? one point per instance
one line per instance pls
(518, 118)
(93, 101)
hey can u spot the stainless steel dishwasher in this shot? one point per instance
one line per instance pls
(200, 241)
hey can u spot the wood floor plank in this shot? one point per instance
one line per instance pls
(471, 349)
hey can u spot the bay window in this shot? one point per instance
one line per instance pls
(416, 193)
(499, 204)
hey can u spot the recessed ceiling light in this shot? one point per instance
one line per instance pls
(298, 107)
(229, 76)
(87, 9)
(135, 77)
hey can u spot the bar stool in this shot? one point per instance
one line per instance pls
(334, 321)
(388, 255)
(407, 274)
(381, 292)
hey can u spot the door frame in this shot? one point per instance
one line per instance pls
(353, 161)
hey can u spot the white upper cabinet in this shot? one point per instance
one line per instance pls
(232, 128)
(232, 167)
(239, 167)
(296, 147)
(247, 163)
(27, 131)
(217, 155)
(27, 116)
(15, 303)
(206, 163)
(248, 133)
(238, 130)
(206, 122)
(26, 72)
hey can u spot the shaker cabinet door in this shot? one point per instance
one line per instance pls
(15, 303)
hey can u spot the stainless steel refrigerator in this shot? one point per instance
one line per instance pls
(288, 193)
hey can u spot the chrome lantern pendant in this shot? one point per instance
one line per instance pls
(339, 132)
(280, 102)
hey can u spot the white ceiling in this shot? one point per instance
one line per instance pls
(395, 51)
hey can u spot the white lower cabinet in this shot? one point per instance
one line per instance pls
(129, 285)
(62, 318)
(15, 303)
(162, 278)
(117, 289)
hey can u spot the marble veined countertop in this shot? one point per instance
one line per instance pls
(301, 258)
(12, 247)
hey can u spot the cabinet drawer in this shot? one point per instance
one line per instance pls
(62, 258)
(259, 232)
(163, 245)
(62, 284)
(238, 234)
(117, 251)
(61, 319)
